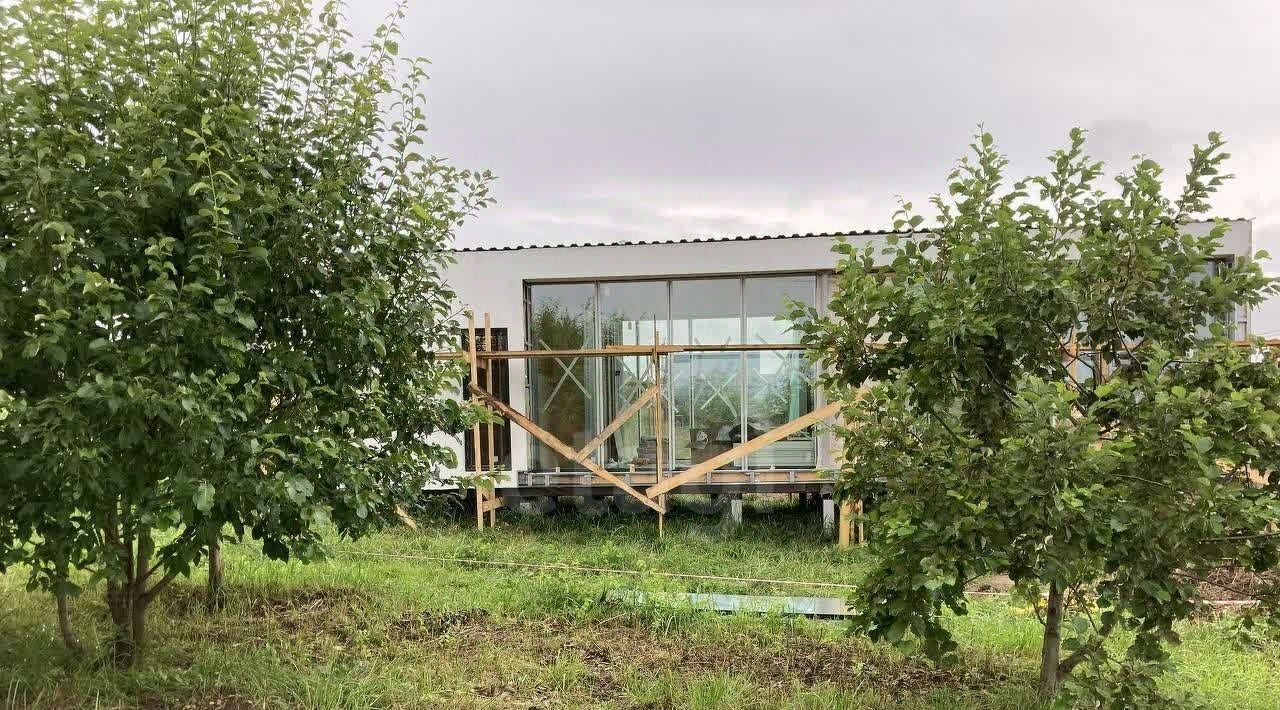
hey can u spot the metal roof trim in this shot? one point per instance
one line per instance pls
(687, 240)
(735, 238)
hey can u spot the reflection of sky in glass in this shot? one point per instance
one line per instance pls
(766, 298)
(631, 311)
(706, 312)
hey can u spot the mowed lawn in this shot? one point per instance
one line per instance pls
(385, 632)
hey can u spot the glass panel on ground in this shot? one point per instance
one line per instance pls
(562, 389)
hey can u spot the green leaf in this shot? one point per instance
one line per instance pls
(203, 497)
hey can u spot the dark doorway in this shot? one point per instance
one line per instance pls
(501, 389)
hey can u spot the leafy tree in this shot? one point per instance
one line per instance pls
(221, 259)
(1051, 394)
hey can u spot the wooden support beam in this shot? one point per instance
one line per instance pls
(846, 515)
(623, 417)
(657, 427)
(475, 428)
(695, 472)
(488, 385)
(492, 504)
(862, 531)
(615, 350)
(556, 445)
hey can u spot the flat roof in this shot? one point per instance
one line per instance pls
(743, 238)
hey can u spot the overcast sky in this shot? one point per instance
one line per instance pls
(657, 120)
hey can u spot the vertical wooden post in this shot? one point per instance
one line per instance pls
(488, 385)
(862, 531)
(846, 522)
(657, 426)
(1075, 357)
(475, 428)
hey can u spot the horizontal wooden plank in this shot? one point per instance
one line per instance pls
(621, 350)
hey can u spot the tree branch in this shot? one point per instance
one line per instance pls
(1241, 538)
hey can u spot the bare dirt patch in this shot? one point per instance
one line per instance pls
(609, 649)
(429, 624)
(1238, 584)
(216, 701)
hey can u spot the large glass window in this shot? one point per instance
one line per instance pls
(562, 317)
(779, 383)
(713, 400)
(706, 402)
(631, 313)
(706, 312)
(706, 388)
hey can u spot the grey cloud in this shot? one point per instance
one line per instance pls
(664, 119)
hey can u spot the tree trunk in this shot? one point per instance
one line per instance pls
(127, 601)
(120, 604)
(64, 624)
(138, 625)
(1051, 648)
(214, 597)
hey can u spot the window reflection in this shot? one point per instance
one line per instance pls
(706, 394)
(779, 383)
(631, 313)
(562, 317)
(780, 388)
(706, 312)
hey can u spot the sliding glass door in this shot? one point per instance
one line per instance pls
(631, 313)
(779, 383)
(564, 391)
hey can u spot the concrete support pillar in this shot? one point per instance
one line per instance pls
(540, 505)
(594, 506)
(627, 503)
(828, 516)
(733, 513)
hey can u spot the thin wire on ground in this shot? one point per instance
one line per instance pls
(675, 575)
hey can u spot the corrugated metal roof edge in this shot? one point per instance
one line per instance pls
(737, 238)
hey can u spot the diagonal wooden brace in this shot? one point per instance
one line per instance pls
(558, 446)
(623, 417)
(695, 472)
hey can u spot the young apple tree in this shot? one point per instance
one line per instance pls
(1053, 395)
(221, 256)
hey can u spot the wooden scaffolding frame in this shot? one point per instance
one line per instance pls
(654, 496)
(850, 527)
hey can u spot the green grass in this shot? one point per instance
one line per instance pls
(376, 632)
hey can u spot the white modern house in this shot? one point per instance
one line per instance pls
(692, 292)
